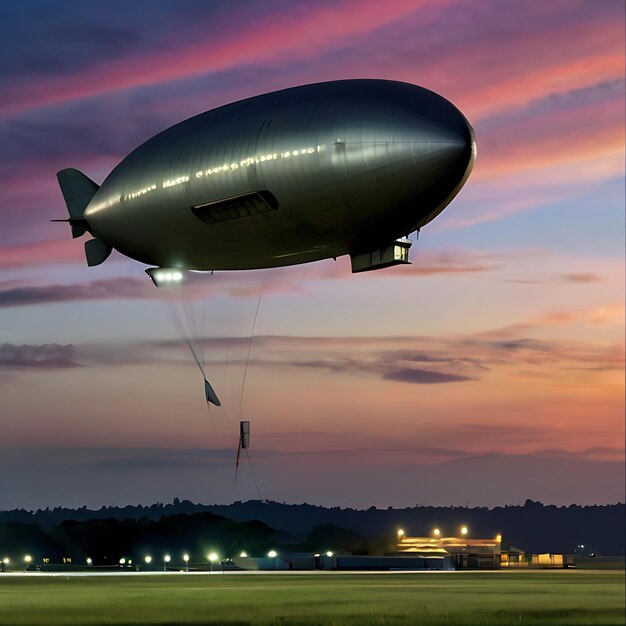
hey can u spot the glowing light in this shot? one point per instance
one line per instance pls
(272, 554)
(212, 557)
(6, 560)
(28, 558)
(499, 538)
(464, 530)
(167, 558)
(243, 555)
(89, 561)
(436, 532)
(400, 532)
(148, 559)
(329, 553)
(122, 561)
(186, 558)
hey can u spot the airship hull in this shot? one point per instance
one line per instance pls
(290, 177)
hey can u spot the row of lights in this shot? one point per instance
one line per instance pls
(437, 533)
(211, 557)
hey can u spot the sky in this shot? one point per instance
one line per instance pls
(489, 371)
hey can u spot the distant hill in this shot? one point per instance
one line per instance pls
(534, 526)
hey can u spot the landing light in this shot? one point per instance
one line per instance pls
(166, 277)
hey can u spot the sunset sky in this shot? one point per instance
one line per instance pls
(489, 371)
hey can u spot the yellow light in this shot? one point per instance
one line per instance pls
(436, 532)
(148, 559)
(243, 555)
(464, 530)
(6, 560)
(28, 558)
(400, 532)
(499, 538)
(167, 558)
(89, 561)
(212, 557)
(272, 554)
(185, 558)
(122, 561)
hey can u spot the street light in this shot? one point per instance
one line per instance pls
(6, 560)
(122, 561)
(148, 559)
(244, 554)
(400, 533)
(499, 538)
(166, 559)
(28, 558)
(436, 532)
(272, 554)
(212, 558)
(186, 559)
(464, 530)
(329, 553)
(89, 561)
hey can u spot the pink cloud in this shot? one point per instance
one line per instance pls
(301, 33)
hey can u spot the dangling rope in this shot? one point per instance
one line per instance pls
(253, 475)
(194, 342)
(245, 371)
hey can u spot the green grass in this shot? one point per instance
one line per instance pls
(318, 599)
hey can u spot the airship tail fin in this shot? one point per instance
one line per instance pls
(77, 190)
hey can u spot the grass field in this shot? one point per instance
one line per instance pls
(318, 599)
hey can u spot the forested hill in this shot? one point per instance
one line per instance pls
(533, 526)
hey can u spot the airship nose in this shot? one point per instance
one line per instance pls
(443, 149)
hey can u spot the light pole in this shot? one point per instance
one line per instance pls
(464, 530)
(212, 557)
(148, 560)
(436, 532)
(186, 559)
(27, 559)
(166, 559)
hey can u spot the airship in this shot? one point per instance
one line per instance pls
(348, 167)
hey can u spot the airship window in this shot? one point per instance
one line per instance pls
(236, 207)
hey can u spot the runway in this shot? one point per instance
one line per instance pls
(179, 573)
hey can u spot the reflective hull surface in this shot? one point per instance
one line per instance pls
(290, 177)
